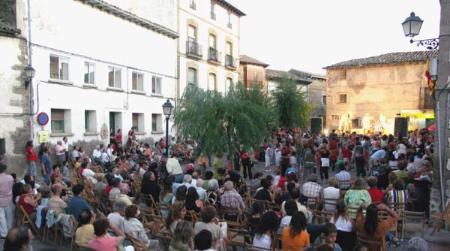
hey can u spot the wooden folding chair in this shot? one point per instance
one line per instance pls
(26, 219)
(410, 216)
(321, 217)
(379, 244)
(137, 244)
(312, 203)
(440, 219)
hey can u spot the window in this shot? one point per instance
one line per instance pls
(59, 68)
(192, 76)
(342, 98)
(212, 81)
(60, 120)
(229, 48)
(213, 12)
(138, 121)
(228, 84)
(89, 73)
(192, 5)
(90, 121)
(230, 24)
(156, 85)
(114, 77)
(192, 33)
(324, 99)
(342, 74)
(356, 123)
(137, 81)
(2, 148)
(212, 41)
(156, 123)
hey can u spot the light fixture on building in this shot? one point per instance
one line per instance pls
(29, 75)
(167, 110)
(411, 28)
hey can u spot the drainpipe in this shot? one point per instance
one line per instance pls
(31, 98)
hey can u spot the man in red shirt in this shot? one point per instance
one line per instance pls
(375, 193)
(31, 157)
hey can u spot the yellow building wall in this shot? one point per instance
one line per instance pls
(375, 95)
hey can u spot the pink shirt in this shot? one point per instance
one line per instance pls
(6, 184)
(103, 243)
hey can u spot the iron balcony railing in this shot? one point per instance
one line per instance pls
(230, 62)
(213, 55)
(193, 49)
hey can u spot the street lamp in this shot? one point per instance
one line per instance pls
(29, 75)
(167, 110)
(411, 28)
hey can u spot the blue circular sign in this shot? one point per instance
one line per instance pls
(42, 118)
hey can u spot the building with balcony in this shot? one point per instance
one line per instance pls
(367, 94)
(208, 44)
(109, 65)
(252, 71)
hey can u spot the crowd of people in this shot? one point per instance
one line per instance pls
(133, 196)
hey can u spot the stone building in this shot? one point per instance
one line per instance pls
(367, 94)
(14, 105)
(315, 92)
(274, 77)
(252, 71)
(108, 65)
(208, 45)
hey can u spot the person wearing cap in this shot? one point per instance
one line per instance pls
(230, 198)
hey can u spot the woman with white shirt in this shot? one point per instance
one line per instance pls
(346, 236)
(268, 225)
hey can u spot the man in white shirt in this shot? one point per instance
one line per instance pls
(200, 190)
(116, 218)
(173, 167)
(331, 195)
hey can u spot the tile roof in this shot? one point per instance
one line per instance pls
(305, 74)
(230, 7)
(249, 60)
(116, 11)
(388, 58)
(8, 29)
(276, 75)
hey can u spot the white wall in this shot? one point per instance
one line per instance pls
(201, 16)
(89, 34)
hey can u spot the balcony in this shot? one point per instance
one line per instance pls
(230, 62)
(213, 55)
(193, 50)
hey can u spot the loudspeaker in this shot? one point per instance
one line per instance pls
(401, 127)
(316, 125)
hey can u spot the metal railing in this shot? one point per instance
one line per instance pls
(193, 49)
(230, 62)
(213, 55)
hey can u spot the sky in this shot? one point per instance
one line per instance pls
(311, 34)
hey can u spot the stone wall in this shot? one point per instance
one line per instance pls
(14, 105)
(374, 91)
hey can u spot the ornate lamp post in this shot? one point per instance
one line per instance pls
(167, 110)
(411, 28)
(29, 75)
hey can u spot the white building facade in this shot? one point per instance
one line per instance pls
(102, 66)
(208, 44)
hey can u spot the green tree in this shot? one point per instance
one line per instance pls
(290, 105)
(221, 123)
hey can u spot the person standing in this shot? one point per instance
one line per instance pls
(46, 167)
(119, 137)
(246, 164)
(65, 144)
(6, 207)
(60, 153)
(31, 157)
